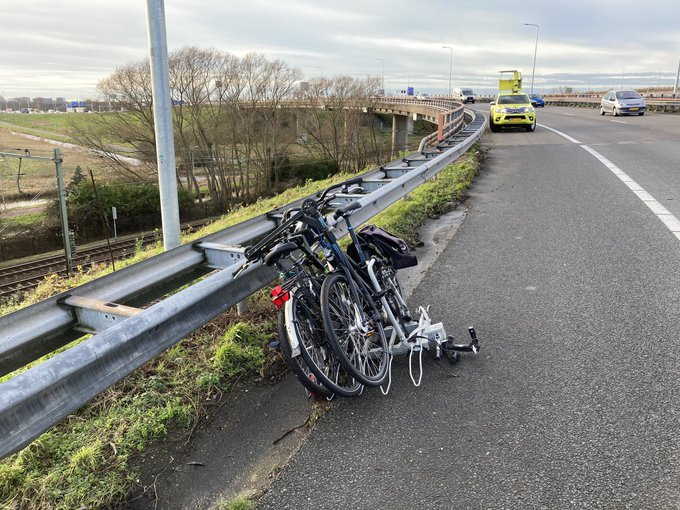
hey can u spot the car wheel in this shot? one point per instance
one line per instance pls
(602, 111)
(531, 127)
(641, 114)
(615, 112)
(493, 126)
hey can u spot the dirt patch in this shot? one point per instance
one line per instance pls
(238, 450)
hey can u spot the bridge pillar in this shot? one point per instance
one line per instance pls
(400, 125)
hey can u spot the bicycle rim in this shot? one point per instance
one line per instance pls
(304, 374)
(305, 318)
(354, 330)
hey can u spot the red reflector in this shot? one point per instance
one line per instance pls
(279, 296)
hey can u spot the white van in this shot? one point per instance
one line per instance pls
(463, 95)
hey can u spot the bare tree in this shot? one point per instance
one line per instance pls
(234, 130)
(331, 119)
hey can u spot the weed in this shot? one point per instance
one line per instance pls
(238, 503)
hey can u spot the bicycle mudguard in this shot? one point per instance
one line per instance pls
(290, 330)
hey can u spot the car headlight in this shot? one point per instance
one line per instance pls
(502, 110)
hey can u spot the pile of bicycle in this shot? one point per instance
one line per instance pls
(342, 314)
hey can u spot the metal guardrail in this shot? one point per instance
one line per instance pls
(653, 104)
(125, 336)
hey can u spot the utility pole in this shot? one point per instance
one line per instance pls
(162, 112)
(61, 190)
(677, 76)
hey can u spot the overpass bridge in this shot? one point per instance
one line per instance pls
(445, 114)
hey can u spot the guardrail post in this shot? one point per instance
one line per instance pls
(241, 307)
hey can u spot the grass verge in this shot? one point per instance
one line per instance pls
(86, 461)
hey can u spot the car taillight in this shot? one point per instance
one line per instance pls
(279, 296)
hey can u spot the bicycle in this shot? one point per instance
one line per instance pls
(375, 254)
(302, 337)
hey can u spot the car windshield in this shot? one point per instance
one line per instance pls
(513, 99)
(467, 92)
(627, 94)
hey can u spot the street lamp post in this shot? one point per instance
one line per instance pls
(533, 71)
(382, 74)
(450, 66)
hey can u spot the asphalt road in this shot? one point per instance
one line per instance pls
(573, 284)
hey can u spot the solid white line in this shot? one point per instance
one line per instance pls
(618, 121)
(664, 215)
(573, 140)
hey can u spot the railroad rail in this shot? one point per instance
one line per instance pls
(130, 325)
(23, 277)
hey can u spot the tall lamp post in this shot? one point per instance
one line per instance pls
(450, 66)
(533, 71)
(382, 74)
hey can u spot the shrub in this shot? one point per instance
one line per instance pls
(138, 207)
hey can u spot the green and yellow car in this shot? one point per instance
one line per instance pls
(512, 109)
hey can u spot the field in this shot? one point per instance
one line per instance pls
(27, 185)
(54, 123)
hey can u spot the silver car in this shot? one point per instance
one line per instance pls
(622, 102)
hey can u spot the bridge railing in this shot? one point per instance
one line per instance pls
(130, 325)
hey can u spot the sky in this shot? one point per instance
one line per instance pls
(64, 48)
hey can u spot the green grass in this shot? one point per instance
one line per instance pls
(88, 460)
(429, 200)
(239, 503)
(58, 123)
(25, 220)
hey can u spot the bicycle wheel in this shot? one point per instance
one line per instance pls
(354, 329)
(303, 319)
(301, 370)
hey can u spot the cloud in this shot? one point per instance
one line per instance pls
(64, 48)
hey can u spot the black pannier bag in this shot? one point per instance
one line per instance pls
(389, 246)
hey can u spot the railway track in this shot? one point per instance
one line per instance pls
(18, 279)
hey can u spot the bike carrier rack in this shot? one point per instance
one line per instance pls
(423, 335)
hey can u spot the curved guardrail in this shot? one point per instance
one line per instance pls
(125, 336)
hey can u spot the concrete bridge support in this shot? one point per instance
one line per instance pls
(400, 131)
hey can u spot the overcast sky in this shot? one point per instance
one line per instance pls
(63, 48)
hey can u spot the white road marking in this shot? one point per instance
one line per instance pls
(664, 215)
(618, 121)
(569, 115)
(573, 140)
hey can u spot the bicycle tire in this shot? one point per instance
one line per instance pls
(302, 372)
(306, 319)
(364, 354)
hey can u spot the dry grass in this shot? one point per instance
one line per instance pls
(38, 177)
